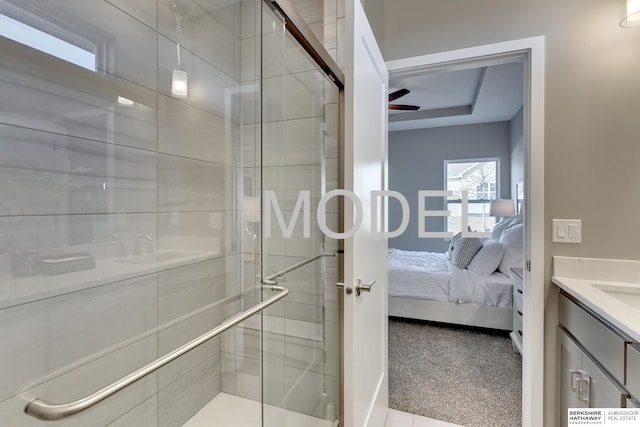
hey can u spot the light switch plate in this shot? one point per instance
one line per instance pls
(567, 231)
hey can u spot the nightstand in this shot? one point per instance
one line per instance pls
(518, 299)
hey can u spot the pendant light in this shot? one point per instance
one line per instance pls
(632, 18)
(179, 77)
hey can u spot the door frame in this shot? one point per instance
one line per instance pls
(532, 49)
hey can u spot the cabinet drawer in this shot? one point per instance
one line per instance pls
(517, 314)
(517, 301)
(633, 369)
(517, 325)
(602, 343)
(517, 283)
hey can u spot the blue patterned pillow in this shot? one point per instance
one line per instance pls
(464, 250)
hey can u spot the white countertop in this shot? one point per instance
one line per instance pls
(577, 277)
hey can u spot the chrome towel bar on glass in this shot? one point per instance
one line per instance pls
(44, 410)
(271, 278)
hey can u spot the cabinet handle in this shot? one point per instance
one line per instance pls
(579, 395)
(573, 373)
(519, 291)
(519, 312)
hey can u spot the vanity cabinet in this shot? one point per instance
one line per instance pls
(633, 369)
(569, 364)
(592, 362)
(583, 382)
(518, 311)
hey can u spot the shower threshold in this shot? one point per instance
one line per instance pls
(229, 410)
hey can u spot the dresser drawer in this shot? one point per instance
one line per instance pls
(517, 324)
(633, 370)
(517, 301)
(605, 345)
(517, 318)
(517, 283)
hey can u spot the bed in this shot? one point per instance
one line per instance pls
(431, 286)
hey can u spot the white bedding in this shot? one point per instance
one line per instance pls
(430, 275)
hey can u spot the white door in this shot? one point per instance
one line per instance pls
(365, 316)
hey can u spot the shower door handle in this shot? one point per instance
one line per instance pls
(44, 410)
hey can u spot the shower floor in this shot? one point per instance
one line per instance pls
(228, 410)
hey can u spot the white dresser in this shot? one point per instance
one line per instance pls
(518, 299)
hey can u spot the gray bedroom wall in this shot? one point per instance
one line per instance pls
(591, 112)
(416, 162)
(516, 138)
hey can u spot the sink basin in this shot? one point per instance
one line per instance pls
(157, 257)
(630, 295)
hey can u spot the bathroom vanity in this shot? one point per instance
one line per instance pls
(598, 333)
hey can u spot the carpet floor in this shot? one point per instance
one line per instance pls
(463, 376)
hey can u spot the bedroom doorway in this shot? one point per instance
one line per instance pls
(527, 193)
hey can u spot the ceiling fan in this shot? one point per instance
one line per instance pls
(397, 94)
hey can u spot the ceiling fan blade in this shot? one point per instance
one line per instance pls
(403, 107)
(397, 94)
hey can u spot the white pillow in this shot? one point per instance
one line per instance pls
(500, 227)
(518, 219)
(512, 258)
(513, 236)
(487, 259)
(464, 250)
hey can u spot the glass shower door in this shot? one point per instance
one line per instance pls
(299, 165)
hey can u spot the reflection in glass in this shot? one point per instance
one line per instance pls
(32, 37)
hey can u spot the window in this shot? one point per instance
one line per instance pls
(480, 179)
(32, 37)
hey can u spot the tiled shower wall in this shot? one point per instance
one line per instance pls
(131, 206)
(136, 204)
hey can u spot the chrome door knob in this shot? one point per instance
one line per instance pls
(360, 287)
(347, 289)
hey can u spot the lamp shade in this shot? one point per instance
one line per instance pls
(632, 18)
(179, 84)
(502, 208)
